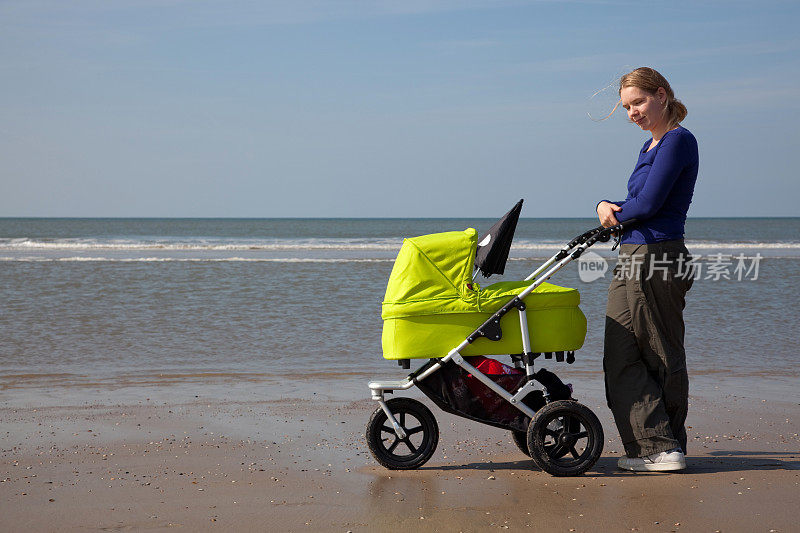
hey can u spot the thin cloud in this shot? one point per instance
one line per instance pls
(458, 45)
(748, 92)
(734, 50)
(243, 13)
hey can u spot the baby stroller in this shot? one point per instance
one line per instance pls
(434, 310)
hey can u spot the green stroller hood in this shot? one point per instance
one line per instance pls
(432, 275)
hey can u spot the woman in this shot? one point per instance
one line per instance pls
(644, 361)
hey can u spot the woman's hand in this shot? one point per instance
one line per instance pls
(606, 213)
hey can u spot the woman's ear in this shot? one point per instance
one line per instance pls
(661, 94)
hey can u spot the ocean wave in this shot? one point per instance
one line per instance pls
(345, 244)
(704, 245)
(744, 245)
(237, 259)
(124, 245)
(92, 259)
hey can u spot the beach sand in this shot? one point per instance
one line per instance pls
(301, 464)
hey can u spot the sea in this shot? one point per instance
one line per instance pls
(115, 309)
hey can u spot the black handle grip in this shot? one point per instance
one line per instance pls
(604, 234)
(594, 235)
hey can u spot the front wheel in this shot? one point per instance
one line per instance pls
(413, 451)
(565, 438)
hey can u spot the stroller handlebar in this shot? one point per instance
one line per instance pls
(598, 234)
(604, 234)
(584, 241)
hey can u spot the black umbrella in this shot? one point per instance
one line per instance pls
(493, 248)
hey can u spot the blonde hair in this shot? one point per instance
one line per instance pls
(649, 79)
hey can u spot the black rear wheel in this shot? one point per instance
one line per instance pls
(413, 451)
(565, 438)
(520, 438)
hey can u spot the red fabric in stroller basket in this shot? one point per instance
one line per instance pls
(489, 400)
(491, 367)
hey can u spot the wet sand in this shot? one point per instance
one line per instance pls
(301, 464)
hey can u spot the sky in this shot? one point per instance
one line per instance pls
(383, 108)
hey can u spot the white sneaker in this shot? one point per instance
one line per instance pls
(658, 462)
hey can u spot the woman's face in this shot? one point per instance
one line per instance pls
(645, 109)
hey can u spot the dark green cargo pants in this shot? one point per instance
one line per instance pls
(644, 360)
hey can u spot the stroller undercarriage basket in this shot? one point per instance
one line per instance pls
(456, 391)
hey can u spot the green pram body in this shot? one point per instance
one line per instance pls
(432, 304)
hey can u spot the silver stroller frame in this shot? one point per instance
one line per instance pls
(491, 331)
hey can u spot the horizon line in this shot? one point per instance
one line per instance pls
(35, 217)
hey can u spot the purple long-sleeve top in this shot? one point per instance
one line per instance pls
(661, 188)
